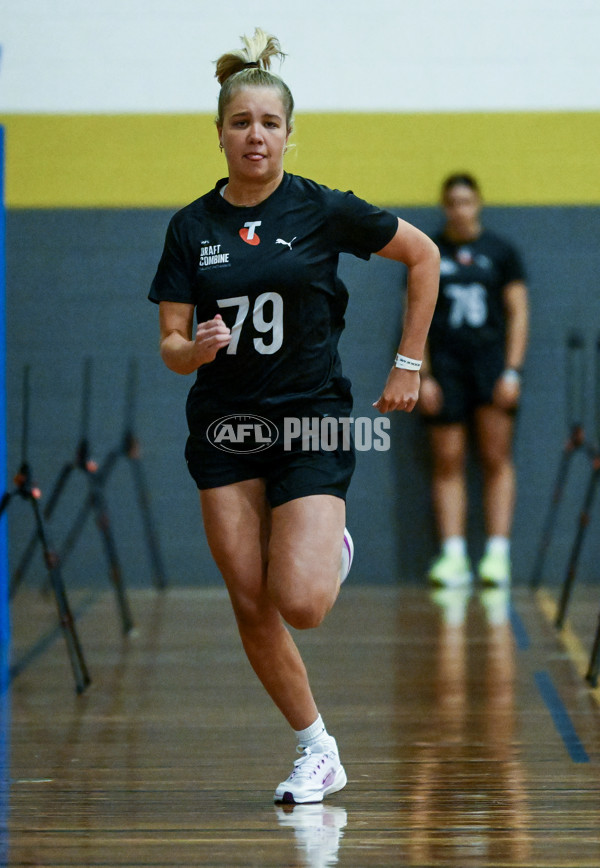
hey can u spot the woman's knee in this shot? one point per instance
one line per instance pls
(252, 606)
(449, 450)
(304, 560)
(302, 597)
(495, 457)
(496, 463)
(257, 620)
(448, 463)
(304, 605)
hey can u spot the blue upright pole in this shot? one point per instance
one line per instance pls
(5, 699)
(4, 573)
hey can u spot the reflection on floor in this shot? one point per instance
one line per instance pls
(467, 731)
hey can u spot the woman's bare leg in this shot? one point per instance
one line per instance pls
(281, 563)
(494, 436)
(449, 491)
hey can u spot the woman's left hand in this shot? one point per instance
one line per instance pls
(401, 391)
(507, 392)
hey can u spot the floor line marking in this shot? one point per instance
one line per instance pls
(568, 639)
(560, 716)
(519, 630)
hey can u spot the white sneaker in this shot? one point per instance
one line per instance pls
(317, 773)
(318, 831)
(347, 555)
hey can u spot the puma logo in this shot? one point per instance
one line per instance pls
(287, 243)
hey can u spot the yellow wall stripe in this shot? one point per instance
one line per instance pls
(91, 161)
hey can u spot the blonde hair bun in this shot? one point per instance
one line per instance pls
(258, 51)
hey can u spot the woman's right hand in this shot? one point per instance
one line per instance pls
(431, 397)
(211, 336)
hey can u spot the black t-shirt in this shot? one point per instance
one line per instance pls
(470, 312)
(270, 270)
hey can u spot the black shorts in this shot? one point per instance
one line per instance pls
(291, 468)
(467, 380)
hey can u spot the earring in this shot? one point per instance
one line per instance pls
(221, 147)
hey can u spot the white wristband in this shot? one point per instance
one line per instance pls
(407, 364)
(511, 375)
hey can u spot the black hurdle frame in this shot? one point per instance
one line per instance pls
(594, 665)
(95, 502)
(128, 448)
(591, 676)
(585, 513)
(26, 489)
(576, 441)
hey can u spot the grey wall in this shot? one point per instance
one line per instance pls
(77, 284)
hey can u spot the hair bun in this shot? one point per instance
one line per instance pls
(257, 53)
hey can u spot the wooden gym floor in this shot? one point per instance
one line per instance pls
(467, 730)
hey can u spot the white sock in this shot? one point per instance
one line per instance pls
(313, 734)
(498, 545)
(455, 545)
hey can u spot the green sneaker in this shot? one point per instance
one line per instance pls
(494, 569)
(450, 571)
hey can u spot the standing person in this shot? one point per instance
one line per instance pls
(476, 349)
(256, 260)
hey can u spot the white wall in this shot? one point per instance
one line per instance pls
(395, 55)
